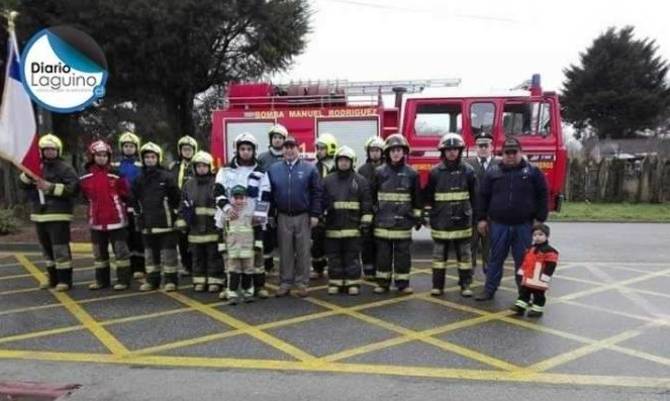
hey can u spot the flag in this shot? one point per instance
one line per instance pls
(18, 129)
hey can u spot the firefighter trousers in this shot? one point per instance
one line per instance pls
(369, 255)
(101, 241)
(160, 253)
(319, 261)
(184, 252)
(269, 245)
(393, 262)
(54, 239)
(459, 257)
(207, 263)
(531, 299)
(344, 267)
(135, 245)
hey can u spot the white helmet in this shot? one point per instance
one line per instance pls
(246, 137)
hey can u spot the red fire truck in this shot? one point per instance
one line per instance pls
(423, 111)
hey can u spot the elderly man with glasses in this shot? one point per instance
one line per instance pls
(513, 195)
(481, 163)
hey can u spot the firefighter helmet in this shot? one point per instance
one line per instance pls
(51, 141)
(151, 147)
(345, 151)
(329, 142)
(279, 130)
(204, 158)
(246, 137)
(99, 146)
(374, 142)
(394, 141)
(187, 140)
(451, 141)
(129, 137)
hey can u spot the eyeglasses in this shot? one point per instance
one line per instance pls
(511, 152)
(483, 145)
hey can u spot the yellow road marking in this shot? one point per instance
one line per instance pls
(77, 311)
(238, 324)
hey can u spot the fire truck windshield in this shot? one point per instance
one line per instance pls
(437, 119)
(527, 118)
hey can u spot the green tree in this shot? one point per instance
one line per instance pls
(161, 53)
(618, 87)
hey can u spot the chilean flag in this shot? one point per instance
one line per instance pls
(18, 129)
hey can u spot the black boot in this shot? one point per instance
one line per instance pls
(52, 276)
(259, 286)
(233, 288)
(438, 282)
(123, 278)
(102, 279)
(64, 279)
(269, 264)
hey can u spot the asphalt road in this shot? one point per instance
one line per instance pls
(594, 256)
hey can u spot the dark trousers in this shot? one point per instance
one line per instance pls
(344, 267)
(528, 295)
(160, 253)
(393, 262)
(135, 245)
(460, 260)
(481, 247)
(369, 255)
(54, 239)
(207, 263)
(269, 245)
(184, 252)
(504, 238)
(101, 241)
(318, 252)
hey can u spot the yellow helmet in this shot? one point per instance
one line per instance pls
(187, 140)
(129, 137)
(329, 141)
(51, 141)
(204, 158)
(151, 147)
(346, 151)
(279, 130)
(396, 140)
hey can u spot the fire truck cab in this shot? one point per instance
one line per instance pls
(423, 112)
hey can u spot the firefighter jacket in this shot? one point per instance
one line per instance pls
(182, 171)
(347, 203)
(267, 159)
(450, 196)
(155, 197)
(368, 170)
(241, 237)
(107, 194)
(252, 177)
(325, 166)
(197, 209)
(539, 264)
(58, 201)
(397, 196)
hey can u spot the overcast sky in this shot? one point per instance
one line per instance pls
(489, 44)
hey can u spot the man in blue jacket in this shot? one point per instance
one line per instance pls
(296, 197)
(513, 196)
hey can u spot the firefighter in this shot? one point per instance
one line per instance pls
(186, 148)
(129, 167)
(155, 198)
(539, 264)
(396, 194)
(326, 145)
(276, 136)
(245, 171)
(107, 195)
(348, 208)
(52, 198)
(374, 149)
(196, 211)
(450, 196)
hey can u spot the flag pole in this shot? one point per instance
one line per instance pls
(11, 15)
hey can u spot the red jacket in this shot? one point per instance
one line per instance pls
(539, 264)
(107, 194)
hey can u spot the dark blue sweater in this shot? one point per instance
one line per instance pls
(513, 195)
(296, 189)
